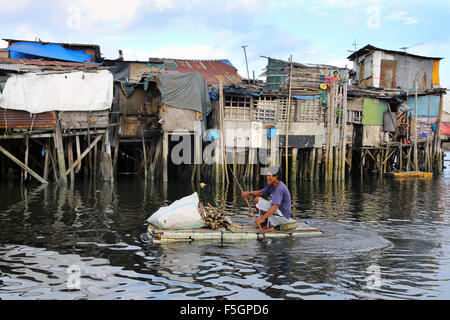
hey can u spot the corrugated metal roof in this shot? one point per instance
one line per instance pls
(22, 119)
(213, 70)
(369, 48)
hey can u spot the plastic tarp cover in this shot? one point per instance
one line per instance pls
(373, 112)
(76, 91)
(181, 214)
(185, 91)
(445, 129)
(20, 50)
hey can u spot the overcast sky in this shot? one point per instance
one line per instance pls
(312, 31)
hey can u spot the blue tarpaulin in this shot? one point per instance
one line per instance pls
(307, 97)
(32, 50)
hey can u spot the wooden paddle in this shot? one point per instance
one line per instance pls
(248, 203)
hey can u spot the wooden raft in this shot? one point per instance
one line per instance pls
(245, 232)
(410, 175)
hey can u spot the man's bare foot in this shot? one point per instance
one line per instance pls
(265, 229)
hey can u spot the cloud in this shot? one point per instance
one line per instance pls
(197, 51)
(403, 17)
(8, 6)
(86, 15)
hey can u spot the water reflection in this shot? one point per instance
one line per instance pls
(400, 226)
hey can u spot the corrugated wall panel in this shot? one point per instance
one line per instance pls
(23, 119)
(427, 106)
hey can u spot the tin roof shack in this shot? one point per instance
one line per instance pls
(42, 100)
(304, 118)
(150, 108)
(387, 85)
(388, 69)
(75, 52)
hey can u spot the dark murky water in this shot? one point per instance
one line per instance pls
(399, 228)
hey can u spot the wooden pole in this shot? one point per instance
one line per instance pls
(288, 116)
(437, 148)
(313, 163)
(165, 156)
(344, 124)
(221, 119)
(77, 143)
(60, 152)
(294, 165)
(23, 166)
(416, 162)
(144, 150)
(46, 162)
(27, 148)
(70, 158)
(82, 155)
(319, 162)
(248, 204)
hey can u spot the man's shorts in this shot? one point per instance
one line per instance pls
(275, 219)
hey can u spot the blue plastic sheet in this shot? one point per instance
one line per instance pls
(307, 97)
(32, 50)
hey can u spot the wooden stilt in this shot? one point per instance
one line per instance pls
(319, 162)
(46, 162)
(77, 143)
(23, 166)
(70, 158)
(27, 147)
(60, 153)
(294, 165)
(165, 156)
(82, 155)
(144, 151)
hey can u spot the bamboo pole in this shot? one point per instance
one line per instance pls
(438, 150)
(416, 163)
(344, 134)
(221, 119)
(288, 116)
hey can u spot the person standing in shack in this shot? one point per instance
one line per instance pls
(276, 211)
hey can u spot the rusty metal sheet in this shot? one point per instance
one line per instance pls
(22, 119)
(388, 78)
(213, 70)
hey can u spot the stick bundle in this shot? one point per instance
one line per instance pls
(215, 218)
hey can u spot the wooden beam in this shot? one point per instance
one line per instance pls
(77, 143)
(60, 153)
(83, 155)
(23, 166)
(46, 163)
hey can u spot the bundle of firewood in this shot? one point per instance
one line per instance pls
(215, 218)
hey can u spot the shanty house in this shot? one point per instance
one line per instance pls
(382, 74)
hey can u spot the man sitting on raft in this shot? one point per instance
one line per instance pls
(277, 211)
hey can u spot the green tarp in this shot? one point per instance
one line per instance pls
(185, 91)
(373, 112)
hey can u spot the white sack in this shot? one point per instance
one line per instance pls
(75, 91)
(182, 214)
